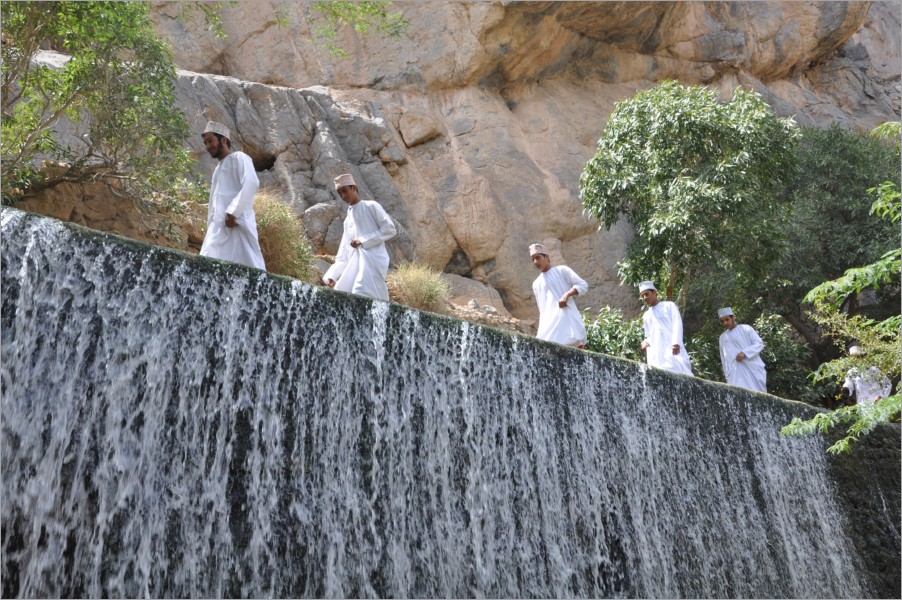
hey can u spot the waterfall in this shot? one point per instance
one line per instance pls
(175, 426)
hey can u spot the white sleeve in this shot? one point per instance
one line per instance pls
(756, 345)
(386, 226)
(249, 184)
(576, 282)
(676, 334)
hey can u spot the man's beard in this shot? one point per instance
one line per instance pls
(218, 152)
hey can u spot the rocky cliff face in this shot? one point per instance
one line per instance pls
(473, 128)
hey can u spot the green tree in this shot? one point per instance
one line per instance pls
(699, 179)
(831, 227)
(880, 339)
(113, 94)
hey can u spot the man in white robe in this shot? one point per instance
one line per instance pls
(869, 386)
(231, 221)
(663, 326)
(361, 264)
(740, 353)
(555, 287)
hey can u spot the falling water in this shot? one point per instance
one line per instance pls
(180, 427)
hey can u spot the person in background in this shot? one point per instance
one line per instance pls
(663, 326)
(555, 287)
(231, 222)
(740, 353)
(869, 386)
(361, 264)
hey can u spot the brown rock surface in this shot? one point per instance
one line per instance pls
(473, 128)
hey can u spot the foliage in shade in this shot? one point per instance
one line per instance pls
(699, 179)
(418, 286)
(115, 91)
(860, 418)
(609, 333)
(283, 239)
(832, 227)
(879, 340)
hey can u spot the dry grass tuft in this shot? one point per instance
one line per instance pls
(283, 240)
(418, 286)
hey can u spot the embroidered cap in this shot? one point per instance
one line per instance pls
(343, 180)
(537, 249)
(724, 312)
(214, 127)
(647, 285)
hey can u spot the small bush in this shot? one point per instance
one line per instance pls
(610, 334)
(283, 240)
(418, 286)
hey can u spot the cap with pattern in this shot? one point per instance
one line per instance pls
(344, 180)
(214, 127)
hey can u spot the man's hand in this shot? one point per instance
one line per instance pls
(330, 283)
(645, 346)
(356, 243)
(741, 357)
(676, 349)
(562, 301)
(231, 221)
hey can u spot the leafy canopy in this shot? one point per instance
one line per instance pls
(697, 178)
(832, 227)
(880, 340)
(113, 96)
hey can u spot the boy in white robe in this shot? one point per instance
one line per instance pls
(361, 264)
(559, 319)
(740, 353)
(231, 221)
(866, 387)
(663, 326)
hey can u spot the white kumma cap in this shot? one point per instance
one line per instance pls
(343, 180)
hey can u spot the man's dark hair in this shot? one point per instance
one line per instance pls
(221, 137)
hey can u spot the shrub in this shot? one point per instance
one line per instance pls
(610, 334)
(418, 286)
(283, 240)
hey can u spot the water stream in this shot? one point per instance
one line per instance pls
(179, 427)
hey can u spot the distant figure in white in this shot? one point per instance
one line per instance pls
(663, 325)
(361, 264)
(740, 353)
(559, 319)
(231, 222)
(870, 386)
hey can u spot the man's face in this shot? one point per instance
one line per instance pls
(541, 261)
(213, 145)
(650, 297)
(348, 194)
(728, 322)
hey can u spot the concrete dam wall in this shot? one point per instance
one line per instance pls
(174, 426)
